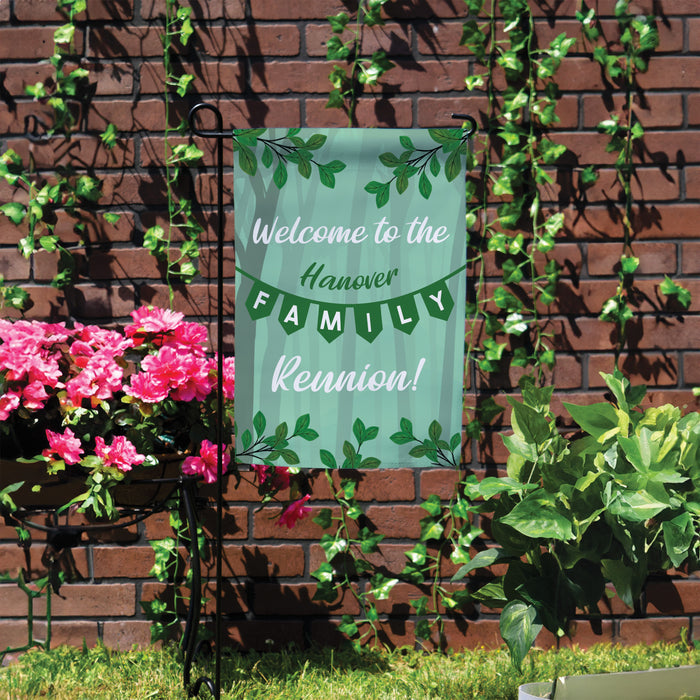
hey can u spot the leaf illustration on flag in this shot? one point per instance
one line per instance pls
(281, 152)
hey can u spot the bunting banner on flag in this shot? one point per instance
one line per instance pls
(350, 281)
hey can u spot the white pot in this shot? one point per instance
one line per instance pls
(535, 691)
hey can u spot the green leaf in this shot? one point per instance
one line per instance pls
(679, 534)
(380, 586)
(519, 625)
(259, 423)
(482, 560)
(598, 419)
(338, 22)
(328, 459)
(111, 217)
(671, 288)
(14, 211)
(247, 160)
(536, 516)
(453, 166)
(324, 519)
(424, 185)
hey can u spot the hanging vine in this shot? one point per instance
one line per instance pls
(64, 189)
(178, 256)
(638, 38)
(346, 44)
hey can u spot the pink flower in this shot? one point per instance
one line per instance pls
(229, 380)
(294, 512)
(206, 464)
(8, 403)
(260, 471)
(150, 320)
(278, 479)
(66, 446)
(148, 388)
(189, 336)
(34, 396)
(196, 384)
(100, 379)
(120, 454)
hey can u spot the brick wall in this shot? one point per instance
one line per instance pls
(262, 63)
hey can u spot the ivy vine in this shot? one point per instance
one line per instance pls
(68, 93)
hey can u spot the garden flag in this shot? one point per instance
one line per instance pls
(350, 283)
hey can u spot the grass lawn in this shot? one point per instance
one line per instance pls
(68, 673)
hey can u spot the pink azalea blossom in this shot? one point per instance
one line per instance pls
(120, 454)
(100, 379)
(188, 336)
(67, 447)
(197, 383)
(229, 380)
(147, 387)
(294, 512)
(8, 403)
(34, 396)
(206, 464)
(150, 320)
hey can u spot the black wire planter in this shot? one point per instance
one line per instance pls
(136, 501)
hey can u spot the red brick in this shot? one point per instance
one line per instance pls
(647, 368)
(212, 9)
(443, 9)
(263, 561)
(24, 74)
(692, 182)
(440, 482)
(76, 600)
(123, 562)
(233, 598)
(15, 633)
(281, 9)
(664, 72)
(654, 110)
(28, 42)
(80, 152)
(236, 41)
(691, 368)
(468, 635)
(293, 600)
(45, 11)
(123, 636)
(14, 266)
(393, 38)
(235, 519)
(397, 520)
(438, 111)
(264, 635)
(654, 258)
(651, 629)
(384, 485)
(91, 301)
(673, 597)
(370, 111)
(693, 24)
(391, 557)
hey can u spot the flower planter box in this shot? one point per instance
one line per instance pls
(654, 684)
(145, 489)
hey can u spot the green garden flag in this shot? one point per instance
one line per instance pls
(350, 282)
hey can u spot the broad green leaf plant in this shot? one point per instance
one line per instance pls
(611, 504)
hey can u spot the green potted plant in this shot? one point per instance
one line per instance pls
(612, 503)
